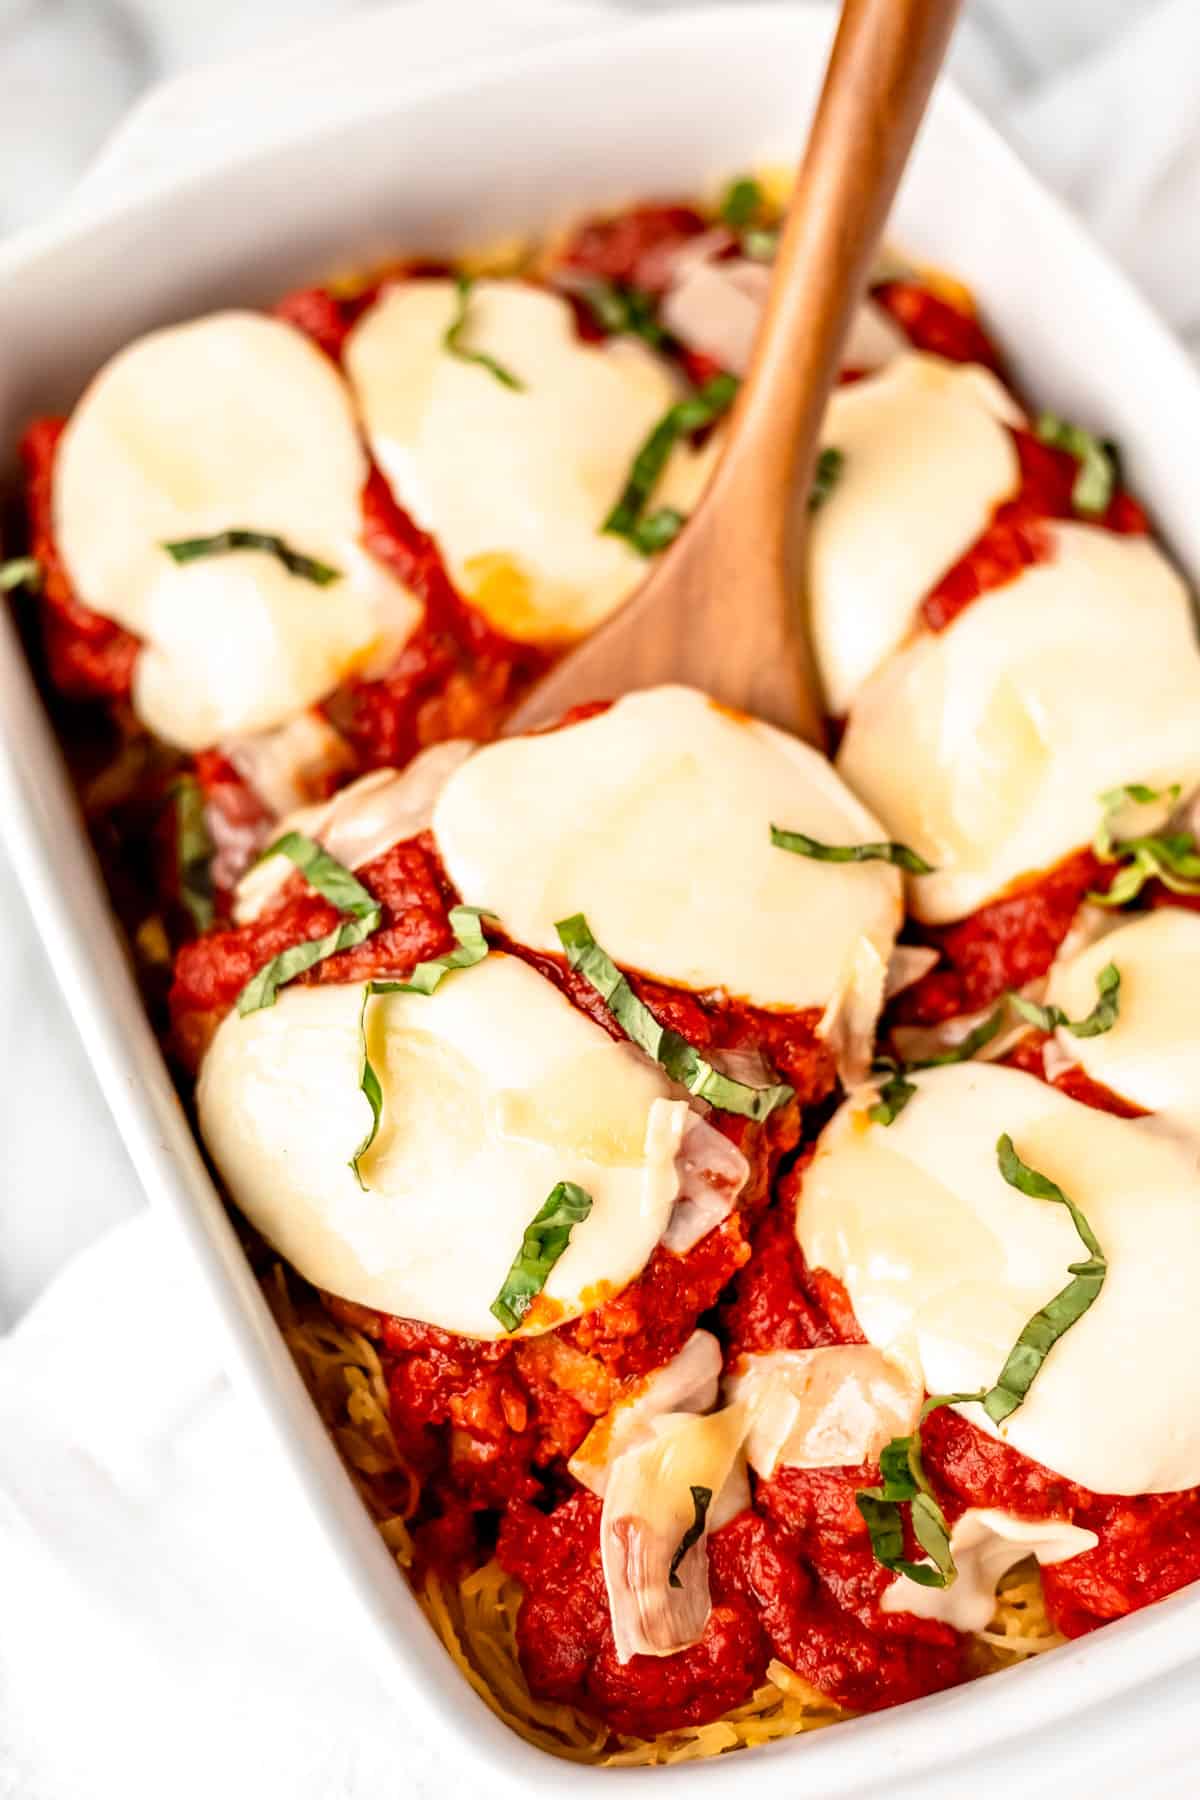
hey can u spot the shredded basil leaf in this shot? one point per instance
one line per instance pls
(452, 341)
(1102, 1017)
(741, 202)
(335, 884)
(20, 571)
(904, 1481)
(1058, 1315)
(1167, 856)
(1097, 477)
(323, 872)
(546, 1237)
(623, 310)
(186, 550)
(657, 530)
(894, 1093)
(369, 1085)
(472, 948)
(826, 476)
(760, 243)
(681, 1060)
(899, 855)
(897, 1090)
(743, 207)
(1115, 800)
(701, 1501)
(262, 988)
(193, 851)
(679, 421)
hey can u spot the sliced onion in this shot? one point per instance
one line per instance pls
(848, 1022)
(688, 1383)
(832, 1407)
(1090, 924)
(715, 308)
(712, 1173)
(285, 765)
(649, 1509)
(908, 964)
(917, 1044)
(362, 822)
(985, 1543)
(1057, 1058)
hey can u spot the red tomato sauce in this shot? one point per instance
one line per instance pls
(1010, 941)
(1017, 537)
(87, 655)
(932, 324)
(1027, 1055)
(636, 248)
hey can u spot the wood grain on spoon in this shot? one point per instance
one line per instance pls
(721, 609)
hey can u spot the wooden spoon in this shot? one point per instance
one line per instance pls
(721, 610)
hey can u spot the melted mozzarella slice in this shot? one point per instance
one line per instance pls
(494, 1089)
(515, 484)
(926, 460)
(363, 820)
(822, 1409)
(653, 819)
(945, 1263)
(1080, 675)
(985, 1544)
(234, 420)
(648, 1507)
(1152, 1053)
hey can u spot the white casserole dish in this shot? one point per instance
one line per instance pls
(513, 142)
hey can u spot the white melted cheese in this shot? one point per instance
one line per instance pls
(1080, 675)
(653, 819)
(985, 1544)
(1151, 1055)
(234, 420)
(926, 460)
(515, 485)
(495, 1088)
(945, 1263)
(833, 1407)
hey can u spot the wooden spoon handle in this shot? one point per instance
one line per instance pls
(883, 65)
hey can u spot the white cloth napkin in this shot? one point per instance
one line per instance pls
(169, 1621)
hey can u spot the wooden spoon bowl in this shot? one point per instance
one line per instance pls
(721, 610)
